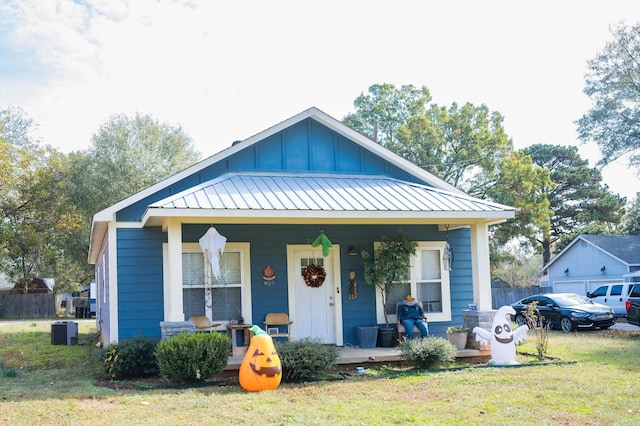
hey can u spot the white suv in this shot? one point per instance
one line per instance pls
(614, 295)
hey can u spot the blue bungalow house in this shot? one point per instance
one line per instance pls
(271, 196)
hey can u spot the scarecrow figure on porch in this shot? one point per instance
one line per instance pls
(410, 313)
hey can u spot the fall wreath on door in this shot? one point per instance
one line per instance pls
(314, 275)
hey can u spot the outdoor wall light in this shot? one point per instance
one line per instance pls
(566, 271)
(352, 251)
(603, 269)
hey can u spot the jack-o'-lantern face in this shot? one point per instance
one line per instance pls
(261, 368)
(264, 364)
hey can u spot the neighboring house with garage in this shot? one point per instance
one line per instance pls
(590, 262)
(271, 196)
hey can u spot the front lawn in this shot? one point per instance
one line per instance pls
(42, 383)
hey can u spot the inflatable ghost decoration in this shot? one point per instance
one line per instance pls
(503, 340)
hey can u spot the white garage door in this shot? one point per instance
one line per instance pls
(570, 287)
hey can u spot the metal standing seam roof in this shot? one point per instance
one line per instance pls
(322, 193)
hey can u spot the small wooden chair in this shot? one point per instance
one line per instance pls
(401, 329)
(274, 320)
(203, 324)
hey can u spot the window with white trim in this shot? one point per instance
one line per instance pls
(221, 299)
(428, 282)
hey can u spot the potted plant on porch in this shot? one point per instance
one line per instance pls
(457, 336)
(386, 268)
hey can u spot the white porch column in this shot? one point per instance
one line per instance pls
(481, 272)
(173, 273)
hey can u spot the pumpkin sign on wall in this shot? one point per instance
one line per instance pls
(261, 368)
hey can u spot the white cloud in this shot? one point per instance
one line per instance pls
(227, 70)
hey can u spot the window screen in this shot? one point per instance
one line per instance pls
(222, 297)
(193, 301)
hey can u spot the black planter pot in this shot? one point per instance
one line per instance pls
(387, 337)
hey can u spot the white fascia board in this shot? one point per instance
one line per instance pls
(154, 216)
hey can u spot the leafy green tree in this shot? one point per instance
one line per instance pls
(47, 200)
(631, 221)
(521, 270)
(465, 146)
(128, 155)
(385, 108)
(518, 183)
(34, 210)
(578, 198)
(458, 144)
(613, 84)
(389, 265)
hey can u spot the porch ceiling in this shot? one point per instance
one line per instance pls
(348, 198)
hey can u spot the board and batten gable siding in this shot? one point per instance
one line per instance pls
(269, 247)
(140, 282)
(305, 147)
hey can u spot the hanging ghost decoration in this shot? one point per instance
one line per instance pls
(212, 245)
(503, 341)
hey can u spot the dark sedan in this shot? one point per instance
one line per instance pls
(567, 311)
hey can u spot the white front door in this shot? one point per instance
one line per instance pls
(316, 312)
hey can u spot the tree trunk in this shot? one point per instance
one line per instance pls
(546, 251)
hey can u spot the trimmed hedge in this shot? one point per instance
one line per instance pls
(190, 358)
(428, 352)
(131, 358)
(305, 359)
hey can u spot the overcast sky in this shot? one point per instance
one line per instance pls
(227, 70)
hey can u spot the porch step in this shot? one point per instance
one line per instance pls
(369, 355)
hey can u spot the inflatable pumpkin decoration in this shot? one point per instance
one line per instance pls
(261, 368)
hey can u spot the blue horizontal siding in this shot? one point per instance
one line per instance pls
(140, 291)
(140, 282)
(268, 247)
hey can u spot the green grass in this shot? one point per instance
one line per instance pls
(597, 383)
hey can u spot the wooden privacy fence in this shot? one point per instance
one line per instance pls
(18, 306)
(510, 295)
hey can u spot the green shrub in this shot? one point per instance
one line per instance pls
(131, 358)
(190, 358)
(428, 352)
(305, 359)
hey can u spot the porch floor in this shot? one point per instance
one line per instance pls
(369, 356)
